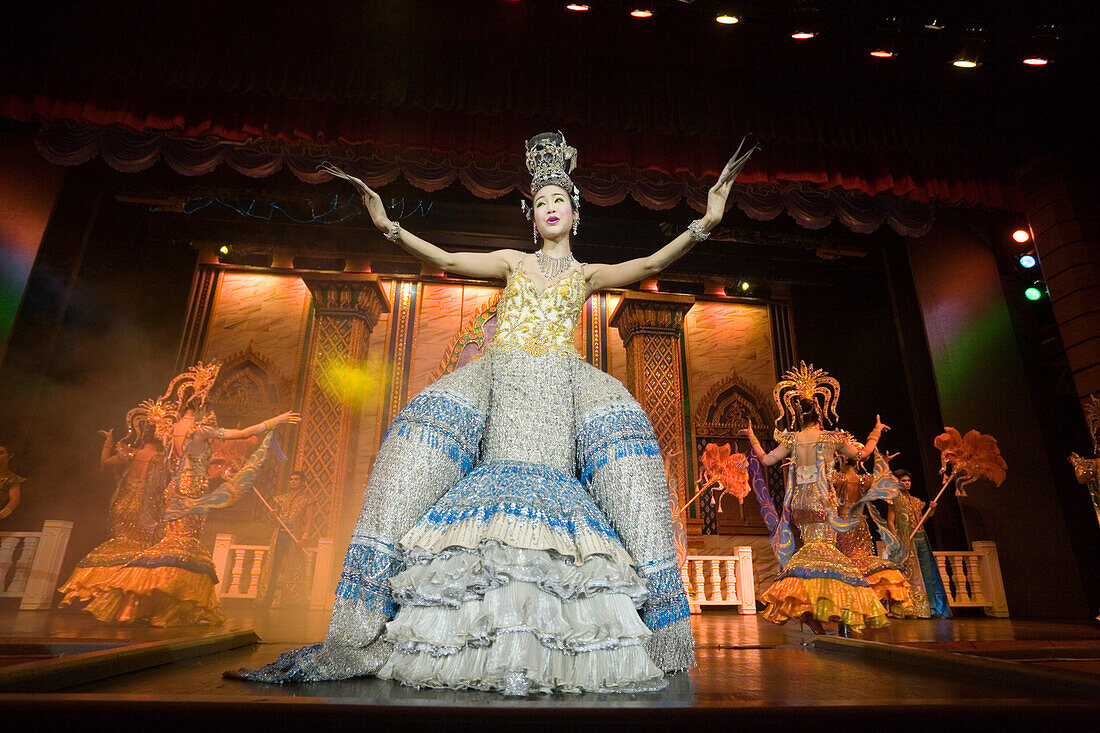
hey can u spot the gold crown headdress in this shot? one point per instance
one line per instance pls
(194, 384)
(812, 384)
(159, 413)
(550, 161)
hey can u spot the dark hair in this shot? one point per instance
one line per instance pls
(805, 412)
(903, 472)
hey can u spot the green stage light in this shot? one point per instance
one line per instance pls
(1033, 293)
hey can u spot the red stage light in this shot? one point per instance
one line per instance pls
(1021, 235)
(879, 53)
(577, 7)
(642, 13)
(802, 35)
(1036, 61)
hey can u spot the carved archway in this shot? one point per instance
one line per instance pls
(718, 418)
(249, 386)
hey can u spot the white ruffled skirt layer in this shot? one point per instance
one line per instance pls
(545, 599)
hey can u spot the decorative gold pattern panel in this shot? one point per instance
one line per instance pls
(346, 308)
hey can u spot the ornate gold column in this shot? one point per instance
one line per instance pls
(651, 326)
(346, 308)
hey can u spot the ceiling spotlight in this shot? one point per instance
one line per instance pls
(885, 39)
(1040, 48)
(970, 54)
(727, 19)
(804, 34)
(576, 7)
(934, 24)
(1034, 292)
(642, 13)
(1020, 236)
(224, 249)
(1028, 261)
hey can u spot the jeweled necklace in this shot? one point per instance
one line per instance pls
(553, 267)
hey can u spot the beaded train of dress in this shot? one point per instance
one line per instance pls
(516, 531)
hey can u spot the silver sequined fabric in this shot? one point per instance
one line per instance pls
(515, 534)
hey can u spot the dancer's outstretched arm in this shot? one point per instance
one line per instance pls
(261, 427)
(776, 455)
(631, 271)
(852, 450)
(495, 264)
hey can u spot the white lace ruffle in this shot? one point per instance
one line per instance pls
(458, 575)
(601, 621)
(518, 631)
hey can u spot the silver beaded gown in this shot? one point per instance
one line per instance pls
(516, 530)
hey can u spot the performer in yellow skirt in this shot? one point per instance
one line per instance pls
(817, 582)
(172, 582)
(134, 508)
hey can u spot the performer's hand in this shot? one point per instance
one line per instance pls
(879, 426)
(717, 196)
(747, 432)
(373, 202)
(371, 199)
(289, 417)
(108, 435)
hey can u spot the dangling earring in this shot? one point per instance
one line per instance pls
(576, 223)
(535, 234)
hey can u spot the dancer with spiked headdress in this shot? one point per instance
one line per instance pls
(138, 460)
(172, 582)
(516, 533)
(817, 582)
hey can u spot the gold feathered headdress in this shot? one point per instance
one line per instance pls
(812, 384)
(193, 385)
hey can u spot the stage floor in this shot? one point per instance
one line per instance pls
(746, 666)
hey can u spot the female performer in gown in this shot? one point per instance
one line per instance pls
(138, 460)
(516, 530)
(817, 583)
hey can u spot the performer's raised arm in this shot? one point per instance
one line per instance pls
(624, 273)
(495, 264)
(852, 449)
(776, 455)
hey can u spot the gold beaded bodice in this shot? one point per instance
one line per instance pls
(539, 323)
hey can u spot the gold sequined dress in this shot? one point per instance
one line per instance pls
(819, 579)
(172, 582)
(516, 530)
(131, 517)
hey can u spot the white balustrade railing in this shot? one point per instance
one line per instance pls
(30, 563)
(239, 568)
(720, 580)
(972, 578)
